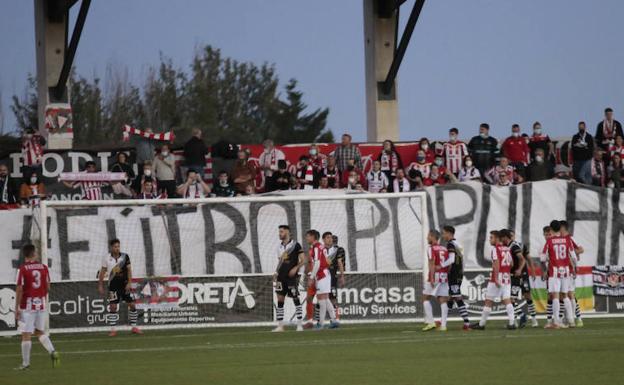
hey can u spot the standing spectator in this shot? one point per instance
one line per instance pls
(121, 165)
(223, 188)
(401, 183)
(607, 130)
(469, 171)
(317, 160)
(421, 165)
(268, 163)
(540, 168)
(332, 173)
(425, 146)
(541, 140)
(195, 152)
(243, 173)
(483, 149)
(306, 175)
(377, 179)
(194, 187)
(91, 190)
(145, 148)
(618, 147)
(390, 160)
(454, 152)
(616, 173)
(598, 169)
(435, 177)
(582, 151)
(281, 177)
(8, 187)
(32, 152)
(165, 172)
(32, 191)
(147, 192)
(147, 173)
(516, 149)
(347, 152)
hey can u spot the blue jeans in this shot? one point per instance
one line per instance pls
(582, 171)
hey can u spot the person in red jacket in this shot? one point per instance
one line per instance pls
(516, 149)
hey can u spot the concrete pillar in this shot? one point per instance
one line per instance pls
(382, 111)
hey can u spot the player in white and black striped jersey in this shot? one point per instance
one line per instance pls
(286, 278)
(523, 268)
(456, 274)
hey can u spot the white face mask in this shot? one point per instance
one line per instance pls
(537, 131)
(515, 134)
(165, 153)
(313, 151)
(223, 183)
(351, 180)
(468, 163)
(539, 159)
(147, 172)
(453, 138)
(33, 180)
(425, 147)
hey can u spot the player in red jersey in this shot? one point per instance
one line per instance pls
(31, 292)
(578, 250)
(312, 310)
(500, 279)
(436, 284)
(320, 278)
(556, 260)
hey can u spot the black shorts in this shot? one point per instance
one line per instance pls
(333, 294)
(520, 285)
(116, 295)
(455, 288)
(287, 287)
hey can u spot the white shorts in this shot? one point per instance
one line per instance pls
(436, 289)
(323, 285)
(558, 285)
(502, 292)
(571, 283)
(31, 320)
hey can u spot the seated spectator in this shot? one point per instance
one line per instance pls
(435, 177)
(607, 130)
(582, 152)
(377, 179)
(194, 187)
(503, 179)
(249, 190)
(32, 191)
(454, 152)
(401, 183)
(617, 147)
(147, 192)
(540, 168)
(469, 171)
(425, 146)
(414, 177)
(223, 188)
(317, 160)
(195, 152)
(332, 173)
(8, 188)
(324, 183)
(294, 183)
(268, 162)
(351, 167)
(91, 190)
(121, 165)
(281, 177)
(243, 173)
(421, 165)
(439, 161)
(616, 173)
(355, 181)
(598, 169)
(503, 167)
(563, 172)
(306, 175)
(539, 140)
(165, 172)
(147, 172)
(516, 149)
(390, 160)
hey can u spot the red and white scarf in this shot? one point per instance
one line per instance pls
(598, 170)
(164, 136)
(389, 162)
(32, 151)
(608, 128)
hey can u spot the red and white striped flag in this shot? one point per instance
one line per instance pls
(129, 130)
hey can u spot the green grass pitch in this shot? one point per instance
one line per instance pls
(355, 354)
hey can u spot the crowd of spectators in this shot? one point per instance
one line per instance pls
(521, 157)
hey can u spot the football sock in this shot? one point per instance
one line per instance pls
(463, 312)
(510, 313)
(429, 311)
(444, 310)
(549, 310)
(323, 312)
(317, 308)
(298, 312)
(279, 312)
(561, 310)
(555, 311)
(330, 308)
(518, 312)
(112, 319)
(485, 314)
(569, 310)
(531, 308)
(26, 345)
(132, 317)
(577, 308)
(47, 344)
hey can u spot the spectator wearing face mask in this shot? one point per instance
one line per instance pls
(268, 162)
(503, 167)
(390, 160)
(483, 149)
(582, 152)
(402, 184)
(148, 172)
(454, 152)
(469, 171)
(345, 175)
(317, 160)
(598, 169)
(421, 165)
(165, 172)
(607, 130)
(194, 187)
(306, 175)
(435, 177)
(542, 141)
(223, 188)
(516, 149)
(540, 168)
(121, 165)
(377, 179)
(281, 177)
(32, 191)
(425, 146)
(332, 173)
(8, 189)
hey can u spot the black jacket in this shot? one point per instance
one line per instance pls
(12, 193)
(483, 152)
(582, 151)
(195, 151)
(600, 137)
